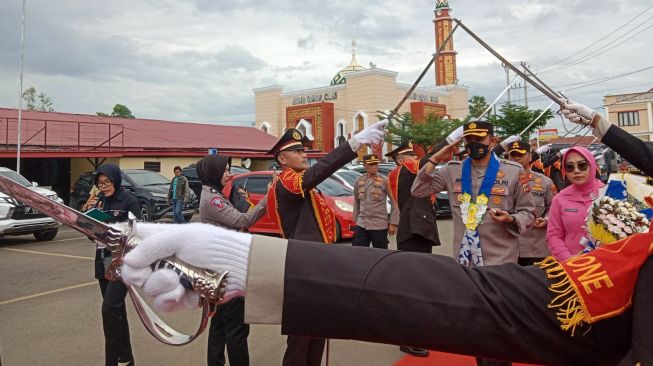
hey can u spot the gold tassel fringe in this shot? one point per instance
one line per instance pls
(569, 307)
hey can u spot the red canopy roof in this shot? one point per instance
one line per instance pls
(66, 133)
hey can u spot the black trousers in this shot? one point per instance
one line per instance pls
(528, 261)
(416, 244)
(363, 237)
(304, 351)
(117, 347)
(641, 345)
(228, 328)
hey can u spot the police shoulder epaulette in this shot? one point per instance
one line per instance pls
(511, 163)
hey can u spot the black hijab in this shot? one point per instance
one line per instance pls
(210, 170)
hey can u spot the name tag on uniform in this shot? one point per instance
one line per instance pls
(570, 210)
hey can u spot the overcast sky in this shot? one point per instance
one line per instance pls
(198, 60)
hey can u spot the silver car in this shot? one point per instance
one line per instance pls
(18, 219)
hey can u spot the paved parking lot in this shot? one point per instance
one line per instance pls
(50, 313)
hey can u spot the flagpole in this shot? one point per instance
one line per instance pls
(20, 95)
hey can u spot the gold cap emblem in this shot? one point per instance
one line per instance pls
(472, 125)
(296, 135)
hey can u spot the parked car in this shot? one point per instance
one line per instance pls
(339, 198)
(149, 187)
(441, 206)
(194, 182)
(18, 219)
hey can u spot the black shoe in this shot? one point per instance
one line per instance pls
(417, 352)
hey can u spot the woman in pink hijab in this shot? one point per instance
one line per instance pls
(569, 208)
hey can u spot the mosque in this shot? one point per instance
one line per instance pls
(329, 115)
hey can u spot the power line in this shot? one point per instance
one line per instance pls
(600, 39)
(604, 48)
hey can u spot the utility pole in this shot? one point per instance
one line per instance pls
(526, 88)
(20, 95)
(507, 81)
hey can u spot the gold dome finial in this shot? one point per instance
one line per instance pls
(353, 66)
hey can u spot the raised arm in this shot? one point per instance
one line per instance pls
(336, 159)
(636, 151)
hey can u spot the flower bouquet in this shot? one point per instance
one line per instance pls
(611, 220)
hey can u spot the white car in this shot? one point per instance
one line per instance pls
(18, 219)
(348, 177)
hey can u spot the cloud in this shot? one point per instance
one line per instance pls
(200, 60)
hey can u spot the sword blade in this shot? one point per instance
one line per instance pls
(86, 225)
(545, 90)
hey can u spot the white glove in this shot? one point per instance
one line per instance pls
(455, 135)
(372, 135)
(202, 245)
(507, 141)
(543, 149)
(577, 113)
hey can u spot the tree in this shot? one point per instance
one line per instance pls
(477, 105)
(513, 119)
(119, 110)
(44, 102)
(424, 134)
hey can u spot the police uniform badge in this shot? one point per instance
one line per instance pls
(217, 202)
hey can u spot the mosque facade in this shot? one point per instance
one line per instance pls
(331, 114)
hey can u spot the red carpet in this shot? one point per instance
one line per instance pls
(441, 359)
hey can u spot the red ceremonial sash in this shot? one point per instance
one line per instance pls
(393, 184)
(326, 218)
(598, 284)
(272, 207)
(412, 165)
(538, 164)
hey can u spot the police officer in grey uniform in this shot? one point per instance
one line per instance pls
(532, 243)
(228, 324)
(492, 238)
(370, 209)
(511, 209)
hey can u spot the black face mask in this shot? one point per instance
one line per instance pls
(476, 150)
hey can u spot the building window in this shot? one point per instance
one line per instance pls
(153, 166)
(340, 133)
(265, 127)
(628, 118)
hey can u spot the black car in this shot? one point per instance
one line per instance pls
(149, 187)
(195, 185)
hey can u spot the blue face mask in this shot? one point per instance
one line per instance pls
(477, 150)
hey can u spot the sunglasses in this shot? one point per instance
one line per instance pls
(581, 165)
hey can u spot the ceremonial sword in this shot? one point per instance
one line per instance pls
(119, 239)
(539, 85)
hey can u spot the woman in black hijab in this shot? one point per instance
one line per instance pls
(228, 324)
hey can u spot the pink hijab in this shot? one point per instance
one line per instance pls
(592, 184)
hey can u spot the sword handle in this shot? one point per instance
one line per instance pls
(209, 285)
